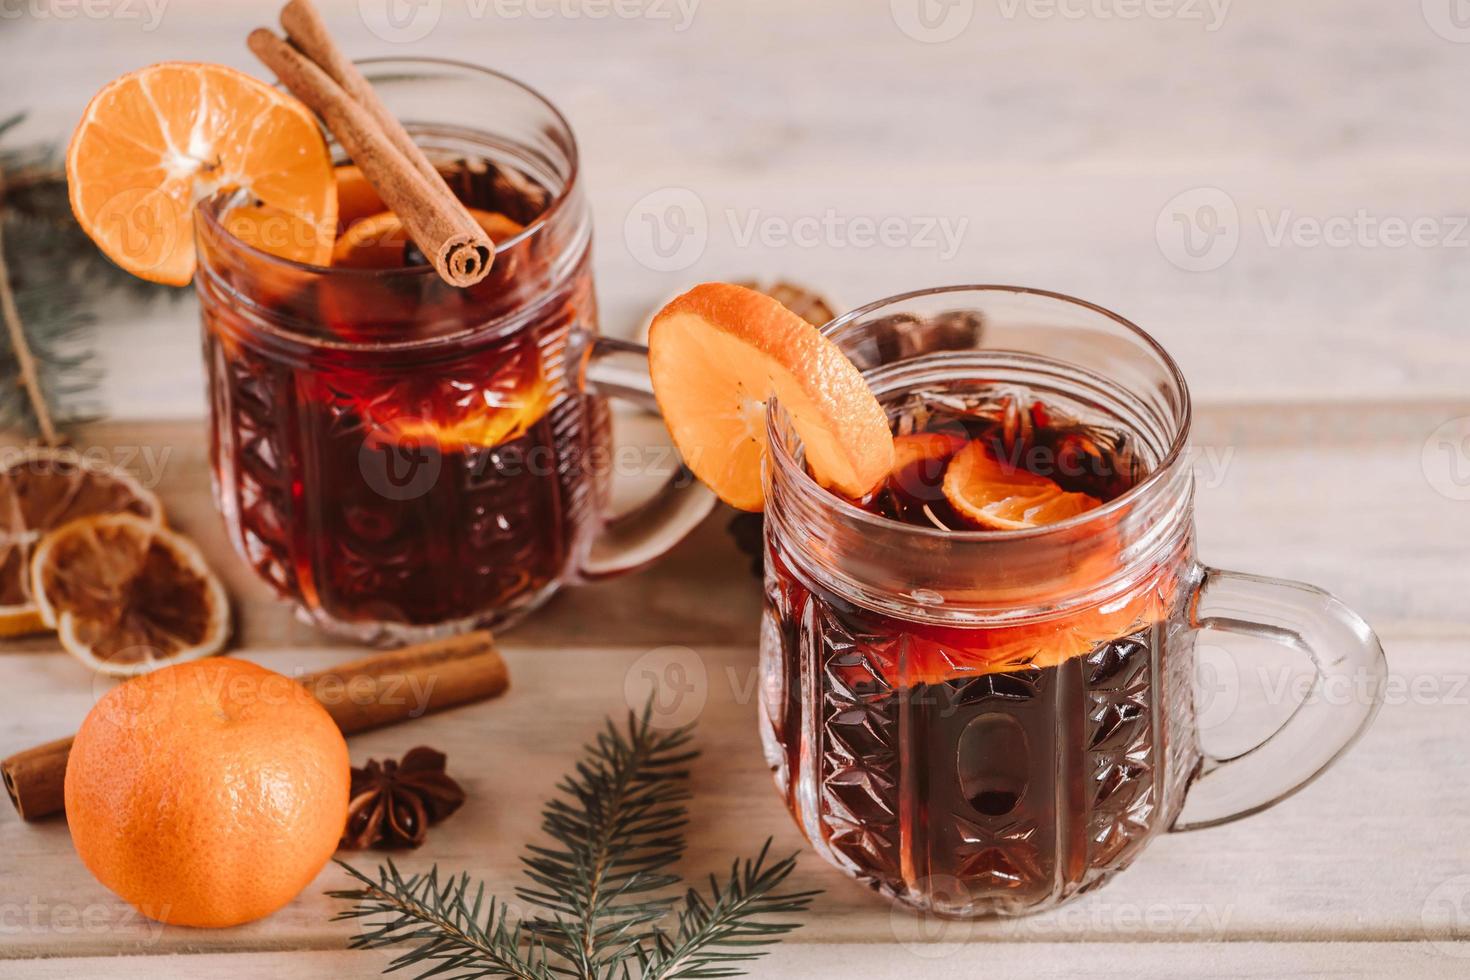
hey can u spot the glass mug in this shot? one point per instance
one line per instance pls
(992, 723)
(404, 459)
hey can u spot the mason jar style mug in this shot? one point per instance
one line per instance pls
(992, 722)
(405, 459)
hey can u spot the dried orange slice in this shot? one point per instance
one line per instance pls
(719, 352)
(41, 489)
(126, 595)
(378, 242)
(1003, 497)
(155, 141)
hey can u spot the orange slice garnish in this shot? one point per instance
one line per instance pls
(126, 595)
(718, 353)
(378, 242)
(42, 489)
(156, 141)
(997, 495)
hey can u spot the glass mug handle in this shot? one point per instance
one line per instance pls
(1343, 648)
(619, 369)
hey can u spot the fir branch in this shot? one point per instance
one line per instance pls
(29, 377)
(618, 828)
(455, 932)
(55, 277)
(726, 927)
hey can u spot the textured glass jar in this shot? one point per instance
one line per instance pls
(405, 459)
(1008, 788)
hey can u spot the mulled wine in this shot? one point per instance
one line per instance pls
(995, 767)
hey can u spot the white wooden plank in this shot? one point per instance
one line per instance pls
(1363, 854)
(1051, 961)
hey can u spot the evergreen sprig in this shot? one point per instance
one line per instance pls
(55, 277)
(605, 884)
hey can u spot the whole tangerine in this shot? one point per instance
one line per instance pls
(208, 793)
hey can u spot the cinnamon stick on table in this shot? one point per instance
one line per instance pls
(361, 695)
(434, 218)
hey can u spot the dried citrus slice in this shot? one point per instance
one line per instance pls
(379, 242)
(41, 489)
(155, 141)
(719, 352)
(997, 495)
(126, 595)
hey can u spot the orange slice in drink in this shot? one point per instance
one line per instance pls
(357, 198)
(156, 141)
(718, 353)
(1002, 497)
(279, 233)
(126, 595)
(379, 242)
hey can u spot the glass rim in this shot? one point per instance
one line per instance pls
(786, 463)
(211, 218)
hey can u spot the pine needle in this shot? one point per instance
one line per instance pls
(52, 279)
(616, 830)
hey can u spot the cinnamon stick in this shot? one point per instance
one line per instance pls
(308, 33)
(434, 218)
(361, 695)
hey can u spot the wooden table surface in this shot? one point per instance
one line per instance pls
(1067, 152)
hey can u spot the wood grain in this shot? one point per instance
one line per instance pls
(1321, 374)
(1049, 961)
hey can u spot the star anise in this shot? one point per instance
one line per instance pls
(394, 803)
